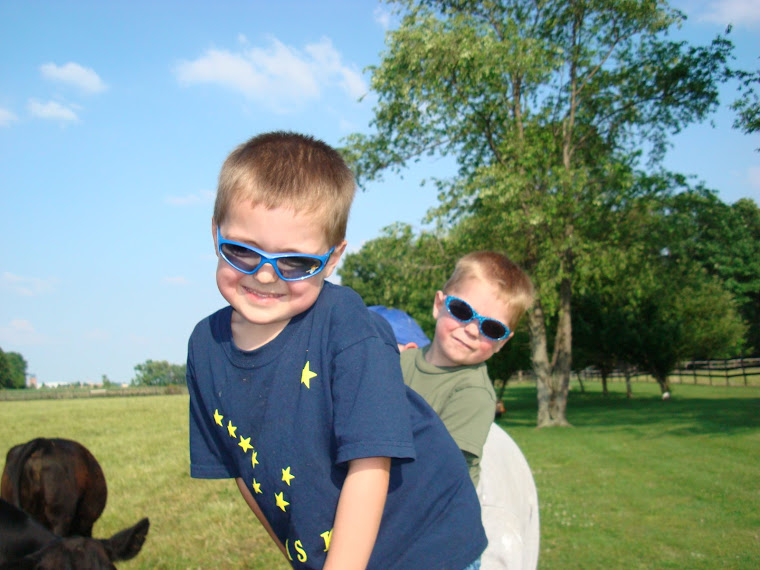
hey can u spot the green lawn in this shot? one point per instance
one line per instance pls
(636, 483)
(646, 483)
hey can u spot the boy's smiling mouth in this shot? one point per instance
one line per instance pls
(261, 295)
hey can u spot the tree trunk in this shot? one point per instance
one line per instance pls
(552, 380)
(664, 384)
(604, 382)
(628, 391)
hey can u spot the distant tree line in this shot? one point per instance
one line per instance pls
(159, 373)
(149, 373)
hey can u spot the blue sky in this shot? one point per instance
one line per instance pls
(116, 116)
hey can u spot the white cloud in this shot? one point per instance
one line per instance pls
(74, 74)
(740, 13)
(52, 110)
(27, 286)
(6, 117)
(202, 197)
(278, 76)
(329, 61)
(382, 17)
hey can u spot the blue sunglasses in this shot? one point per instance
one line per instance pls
(464, 313)
(288, 266)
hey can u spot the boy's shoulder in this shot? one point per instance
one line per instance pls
(414, 365)
(344, 315)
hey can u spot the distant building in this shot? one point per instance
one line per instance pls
(31, 382)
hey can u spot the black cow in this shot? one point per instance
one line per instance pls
(25, 543)
(56, 481)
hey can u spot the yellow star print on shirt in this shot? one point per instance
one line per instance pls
(286, 476)
(218, 417)
(307, 375)
(256, 487)
(231, 429)
(245, 443)
(280, 500)
(254, 460)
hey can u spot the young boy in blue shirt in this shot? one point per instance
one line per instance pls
(296, 390)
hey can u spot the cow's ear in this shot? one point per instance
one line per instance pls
(127, 543)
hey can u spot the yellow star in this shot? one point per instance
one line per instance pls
(280, 500)
(307, 375)
(254, 461)
(231, 429)
(286, 476)
(218, 417)
(245, 443)
(256, 487)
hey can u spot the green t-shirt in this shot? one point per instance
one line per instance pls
(462, 396)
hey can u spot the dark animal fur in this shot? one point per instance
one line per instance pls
(56, 481)
(25, 543)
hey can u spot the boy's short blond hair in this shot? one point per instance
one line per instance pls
(288, 170)
(514, 286)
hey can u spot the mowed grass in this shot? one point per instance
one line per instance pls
(646, 483)
(636, 483)
(142, 445)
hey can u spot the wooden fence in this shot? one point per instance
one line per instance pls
(729, 372)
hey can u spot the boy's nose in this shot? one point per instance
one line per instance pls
(472, 328)
(266, 274)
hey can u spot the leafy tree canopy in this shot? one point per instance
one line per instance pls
(159, 373)
(12, 370)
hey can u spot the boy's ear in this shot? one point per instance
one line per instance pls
(334, 258)
(440, 298)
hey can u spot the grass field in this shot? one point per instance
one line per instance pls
(636, 483)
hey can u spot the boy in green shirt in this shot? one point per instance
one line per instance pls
(476, 313)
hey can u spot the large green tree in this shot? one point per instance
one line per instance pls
(544, 105)
(696, 227)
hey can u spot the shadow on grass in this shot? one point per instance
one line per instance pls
(688, 412)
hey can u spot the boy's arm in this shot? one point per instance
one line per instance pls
(360, 509)
(259, 515)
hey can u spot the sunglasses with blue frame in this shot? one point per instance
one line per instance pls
(288, 266)
(464, 313)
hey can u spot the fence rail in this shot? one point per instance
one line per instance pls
(724, 372)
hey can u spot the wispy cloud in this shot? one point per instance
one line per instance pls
(383, 17)
(202, 197)
(278, 76)
(27, 286)
(6, 117)
(19, 332)
(83, 78)
(740, 13)
(52, 110)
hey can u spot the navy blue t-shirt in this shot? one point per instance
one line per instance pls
(288, 416)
